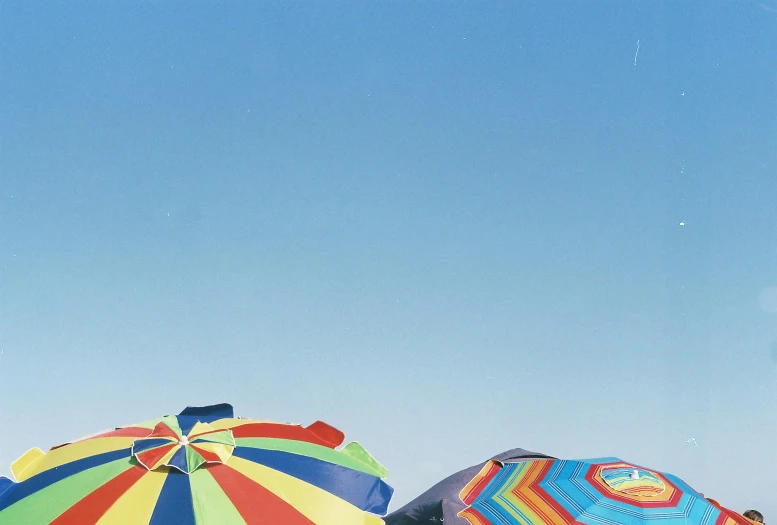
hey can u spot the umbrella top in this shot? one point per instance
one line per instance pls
(442, 499)
(202, 466)
(183, 430)
(593, 491)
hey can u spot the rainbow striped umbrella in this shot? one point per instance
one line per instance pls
(201, 467)
(591, 492)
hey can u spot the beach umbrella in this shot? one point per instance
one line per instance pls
(592, 492)
(440, 504)
(201, 467)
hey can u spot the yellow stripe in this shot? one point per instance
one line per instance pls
(470, 516)
(221, 451)
(200, 428)
(136, 506)
(223, 424)
(469, 487)
(79, 450)
(318, 505)
(27, 465)
(167, 457)
(516, 491)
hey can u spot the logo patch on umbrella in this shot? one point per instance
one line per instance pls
(633, 481)
(165, 447)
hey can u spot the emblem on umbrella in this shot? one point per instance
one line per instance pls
(633, 481)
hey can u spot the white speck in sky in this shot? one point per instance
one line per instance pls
(768, 300)
(682, 223)
(693, 442)
(637, 53)
(768, 8)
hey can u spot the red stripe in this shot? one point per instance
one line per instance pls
(125, 432)
(206, 454)
(151, 457)
(90, 509)
(475, 491)
(274, 430)
(201, 434)
(162, 430)
(524, 491)
(327, 433)
(541, 493)
(728, 514)
(471, 514)
(256, 504)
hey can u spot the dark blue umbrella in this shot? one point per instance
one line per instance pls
(440, 504)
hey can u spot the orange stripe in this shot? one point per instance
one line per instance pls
(473, 489)
(533, 501)
(474, 517)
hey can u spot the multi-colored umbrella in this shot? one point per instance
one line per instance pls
(592, 492)
(201, 467)
(440, 504)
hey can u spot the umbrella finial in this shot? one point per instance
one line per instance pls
(635, 474)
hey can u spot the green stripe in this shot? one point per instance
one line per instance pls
(193, 458)
(360, 454)
(355, 458)
(224, 437)
(46, 505)
(211, 504)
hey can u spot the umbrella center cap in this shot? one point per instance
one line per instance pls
(170, 447)
(633, 481)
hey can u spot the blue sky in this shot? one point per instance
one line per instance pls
(448, 229)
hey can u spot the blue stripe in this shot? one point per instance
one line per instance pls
(51, 476)
(190, 416)
(210, 413)
(174, 505)
(186, 423)
(144, 444)
(369, 493)
(5, 484)
(179, 459)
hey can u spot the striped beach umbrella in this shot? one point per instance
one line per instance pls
(201, 467)
(591, 492)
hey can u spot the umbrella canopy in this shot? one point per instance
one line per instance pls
(592, 492)
(441, 503)
(201, 467)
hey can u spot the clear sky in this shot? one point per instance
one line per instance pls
(448, 229)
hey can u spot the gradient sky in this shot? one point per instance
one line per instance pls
(448, 229)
